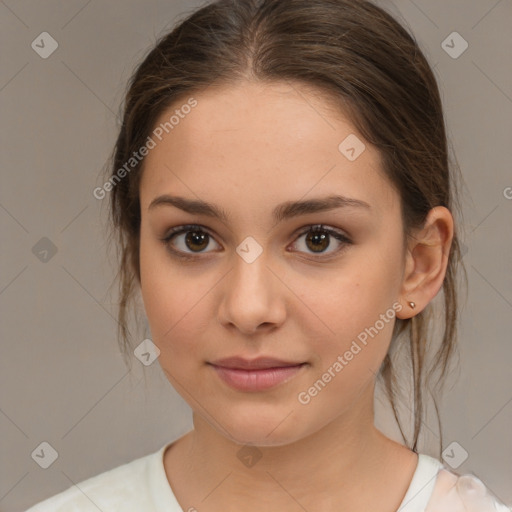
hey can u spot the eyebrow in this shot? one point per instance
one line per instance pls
(281, 212)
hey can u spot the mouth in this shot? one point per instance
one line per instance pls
(261, 363)
(257, 374)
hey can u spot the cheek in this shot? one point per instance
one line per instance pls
(174, 301)
(348, 359)
(355, 308)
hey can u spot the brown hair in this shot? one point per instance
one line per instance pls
(371, 67)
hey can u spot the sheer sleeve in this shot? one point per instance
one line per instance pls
(466, 493)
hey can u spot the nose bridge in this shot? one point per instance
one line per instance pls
(250, 272)
(250, 295)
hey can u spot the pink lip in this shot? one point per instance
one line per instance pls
(260, 363)
(255, 375)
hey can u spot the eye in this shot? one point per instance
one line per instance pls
(196, 240)
(318, 240)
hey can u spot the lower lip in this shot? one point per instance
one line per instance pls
(256, 380)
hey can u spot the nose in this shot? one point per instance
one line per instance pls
(252, 297)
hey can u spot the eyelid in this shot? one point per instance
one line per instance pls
(183, 228)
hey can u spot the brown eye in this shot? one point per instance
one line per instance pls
(318, 239)
(195, 241)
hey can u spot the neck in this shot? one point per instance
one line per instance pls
(331, 469)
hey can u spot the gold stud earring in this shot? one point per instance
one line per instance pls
(412, 305)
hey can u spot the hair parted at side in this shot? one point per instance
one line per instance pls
(365, 62)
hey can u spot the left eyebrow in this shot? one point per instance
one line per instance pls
(291, 209)
(283, 211)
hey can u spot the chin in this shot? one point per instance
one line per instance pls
(258, 428)
(259, 437)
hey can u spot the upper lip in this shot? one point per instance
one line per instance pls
(253, 364)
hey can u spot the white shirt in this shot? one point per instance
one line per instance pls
(142, 486)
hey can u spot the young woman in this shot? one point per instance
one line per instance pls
(282, 198)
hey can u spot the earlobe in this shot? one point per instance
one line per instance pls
(426, 261)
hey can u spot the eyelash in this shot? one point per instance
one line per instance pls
(196, 227)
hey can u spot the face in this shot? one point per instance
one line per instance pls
(313, 287)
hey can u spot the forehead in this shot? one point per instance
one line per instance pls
(271, 142)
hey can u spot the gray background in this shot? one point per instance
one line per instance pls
(62, 379)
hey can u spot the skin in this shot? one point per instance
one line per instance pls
(246, 148)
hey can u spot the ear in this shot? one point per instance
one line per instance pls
(426, 260)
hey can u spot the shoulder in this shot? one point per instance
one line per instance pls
(462, 493)
(124, 488)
